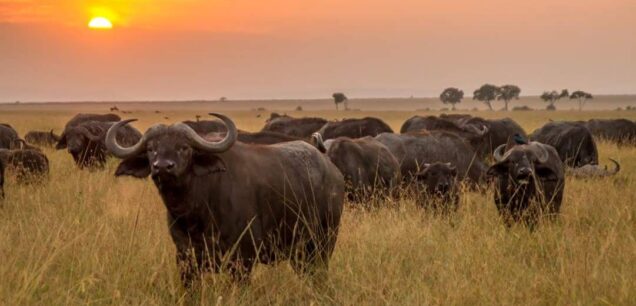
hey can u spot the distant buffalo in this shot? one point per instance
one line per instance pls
(414, 150)
(41, 138)
(27, 165)
(573, 141)
(594, 171)
(620, 131)
(354, 128)
(369, 168)
(296, 127)
(471, 133)
(437, 187)
(530, 181)
(231, 205)
(8, 136)
(85, 142)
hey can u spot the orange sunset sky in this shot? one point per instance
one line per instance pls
(205, 49)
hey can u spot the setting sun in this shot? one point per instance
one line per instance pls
(100, 23)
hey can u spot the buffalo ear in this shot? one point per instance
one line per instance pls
(204, 164)
(497, 169)
(137, 166)
(61, 143)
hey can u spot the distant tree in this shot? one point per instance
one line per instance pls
(582, 97)
(451, 96)
(338, 98)
(508, 93)
(486, 93)
(223, 99)
(552, 97)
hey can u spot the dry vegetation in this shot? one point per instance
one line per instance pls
(91, 238)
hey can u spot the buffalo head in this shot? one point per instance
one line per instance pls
(523, 162)
(170, 153)
(439, 178)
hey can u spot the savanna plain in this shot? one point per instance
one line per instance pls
(90, 238)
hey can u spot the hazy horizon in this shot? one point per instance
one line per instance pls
(282, 49)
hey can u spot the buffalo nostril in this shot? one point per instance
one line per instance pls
(170, 165)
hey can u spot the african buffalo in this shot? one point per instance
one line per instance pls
(41, 138)
(8, 136)
(437, 187)
(231, 204)
(530, 181)
(296, 127)
(369, 168)
(354, 128)
(414, 150)
(473, 134)
(85, 142)
(620, 131)
(28, 165)
(573, 142)
(500, 131)
(266, 138)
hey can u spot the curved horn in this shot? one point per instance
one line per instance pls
(116, 149)
(211, 147)
(318, 142)
(541, 152)
(617, 167)
(498, 153)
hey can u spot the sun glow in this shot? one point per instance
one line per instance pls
(101, 23)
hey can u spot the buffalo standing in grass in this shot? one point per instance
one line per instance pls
(530, 181)
(231, 204)
(415, 150)
(85, 142)
(41, 138)
(369, 168)
(8, 136)
(573, 141)
(620, 131)
(500, 131)
(594, 171)
(472, 134)
(437, 187)
(295, 127)
(27, 165)
(204, 127)
(354, 128)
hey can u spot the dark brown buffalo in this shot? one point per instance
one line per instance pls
(85, 142)
(8, 136)
(437, 187)
(369, 168)
(204, 127)
(27, 165)
(81, 118)
(500, 131)
(530, 181)
(354, 128)
(413, 151)
(265, 138)
(620, 131)
(473, 134)
(232, 204)
(295, 127)
(573, 141)
(41, 138)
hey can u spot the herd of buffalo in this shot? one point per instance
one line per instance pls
(235, 198)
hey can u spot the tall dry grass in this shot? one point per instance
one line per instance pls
(89, 238)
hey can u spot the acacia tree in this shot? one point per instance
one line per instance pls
(582, 97)
(552, 97)
(338, 98)
(508, 93)
(486, 93)
(451, 96)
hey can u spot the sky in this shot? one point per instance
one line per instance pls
(279, 49)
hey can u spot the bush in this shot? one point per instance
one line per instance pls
(522, 108)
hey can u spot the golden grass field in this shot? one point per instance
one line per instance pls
(90, 238)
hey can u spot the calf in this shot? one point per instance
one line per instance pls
(437, 187)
